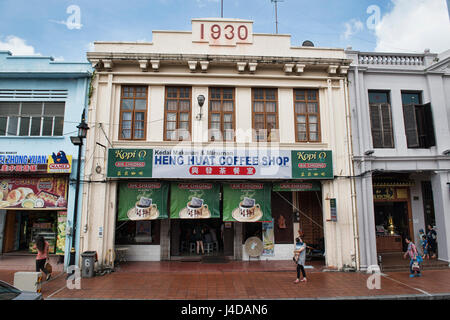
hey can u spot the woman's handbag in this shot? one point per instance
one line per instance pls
(48, 267)
(415, 266)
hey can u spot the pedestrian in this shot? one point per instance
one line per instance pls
(425, 246)
(414, 263)
(432, 241)
(42, 255)
(421, 234)
(300, 251)
(198, 237)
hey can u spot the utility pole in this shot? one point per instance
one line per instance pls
(276, 13)
(221, 8)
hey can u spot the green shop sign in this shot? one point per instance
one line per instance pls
(247, 202)
(312, 164)
(142, 200)
(130, 163)
(194, 200)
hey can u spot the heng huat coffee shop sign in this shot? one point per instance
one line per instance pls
(196, 163)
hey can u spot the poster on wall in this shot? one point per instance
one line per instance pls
(33, 193)
(61, 232)
(194, 200)
(142, 200)
(247, 202)
(268, 238)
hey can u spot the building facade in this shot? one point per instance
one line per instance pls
(41, 102)
(400, 128)
(222, 129)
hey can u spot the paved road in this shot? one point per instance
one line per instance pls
(246, 285)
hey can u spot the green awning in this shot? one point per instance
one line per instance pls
(194, 200)
(247, 202)
(142, 200)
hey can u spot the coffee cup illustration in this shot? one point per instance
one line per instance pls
(144, 207)
(247, 207)
(195, 207)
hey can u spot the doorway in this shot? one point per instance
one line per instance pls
(216, 238)
(392, 220)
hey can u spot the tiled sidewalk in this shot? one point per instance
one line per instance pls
(191, 281)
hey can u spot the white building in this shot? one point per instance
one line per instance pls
(218, 88)
(400, 108)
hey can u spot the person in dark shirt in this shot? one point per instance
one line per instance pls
(432, 241)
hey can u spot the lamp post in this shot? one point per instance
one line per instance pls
(77, 141)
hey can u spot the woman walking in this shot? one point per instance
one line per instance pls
(431, 239)
(300, 253)
(414, 257)
(198, 237)
(42, 256)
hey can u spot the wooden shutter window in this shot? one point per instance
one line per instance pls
(429, 126)
(409, 116)
(177, 114)
(221, 118)
(381, 125)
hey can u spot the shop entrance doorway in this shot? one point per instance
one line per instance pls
(212, 232)
(392, 220)
(22, 227)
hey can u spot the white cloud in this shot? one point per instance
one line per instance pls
(59, 59)
(351, 27)
(90, 47)
(17, 46)
(414, 25)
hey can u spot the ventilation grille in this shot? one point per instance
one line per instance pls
(32, 94)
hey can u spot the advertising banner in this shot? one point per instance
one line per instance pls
(194, 200)
(54, 163)
(142, 200)
(129, 163)
(61, 235)
(221, 163)
(247, 202)
(268, 238)
(297, 186)
(33, 193)
(312, 164)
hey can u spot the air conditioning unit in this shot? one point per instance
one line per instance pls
(28, 281)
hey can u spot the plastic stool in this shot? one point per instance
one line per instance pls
(209, 247)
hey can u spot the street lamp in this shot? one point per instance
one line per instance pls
(78, 141)
(201, 101)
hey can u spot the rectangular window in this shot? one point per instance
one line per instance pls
(418, 117)
(177, 114)
(133, 113)
(381, 119)
(265, 114)
(307, 115)
(221, 114)
(31, 118)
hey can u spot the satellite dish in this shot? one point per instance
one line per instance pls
(307, 43)
(254, 247)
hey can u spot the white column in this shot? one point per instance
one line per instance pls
(441, 195)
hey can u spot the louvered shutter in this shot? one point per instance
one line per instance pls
(375, 122)
(429, 125)
(388, 141)
(409, 116)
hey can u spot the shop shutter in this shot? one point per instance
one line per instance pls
(388, 141)
(429, 126)
(375, 122)
(409, 116)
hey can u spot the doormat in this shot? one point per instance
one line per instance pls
(193, 259)
(214, 259)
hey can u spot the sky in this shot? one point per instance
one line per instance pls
(66, 29)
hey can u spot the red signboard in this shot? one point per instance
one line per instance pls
(33, 193)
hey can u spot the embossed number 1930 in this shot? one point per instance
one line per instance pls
(229, 32)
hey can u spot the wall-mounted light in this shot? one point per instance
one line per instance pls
(200, 101)
(446, 152)
(369, 152)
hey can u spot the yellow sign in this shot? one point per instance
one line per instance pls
(59, 163)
